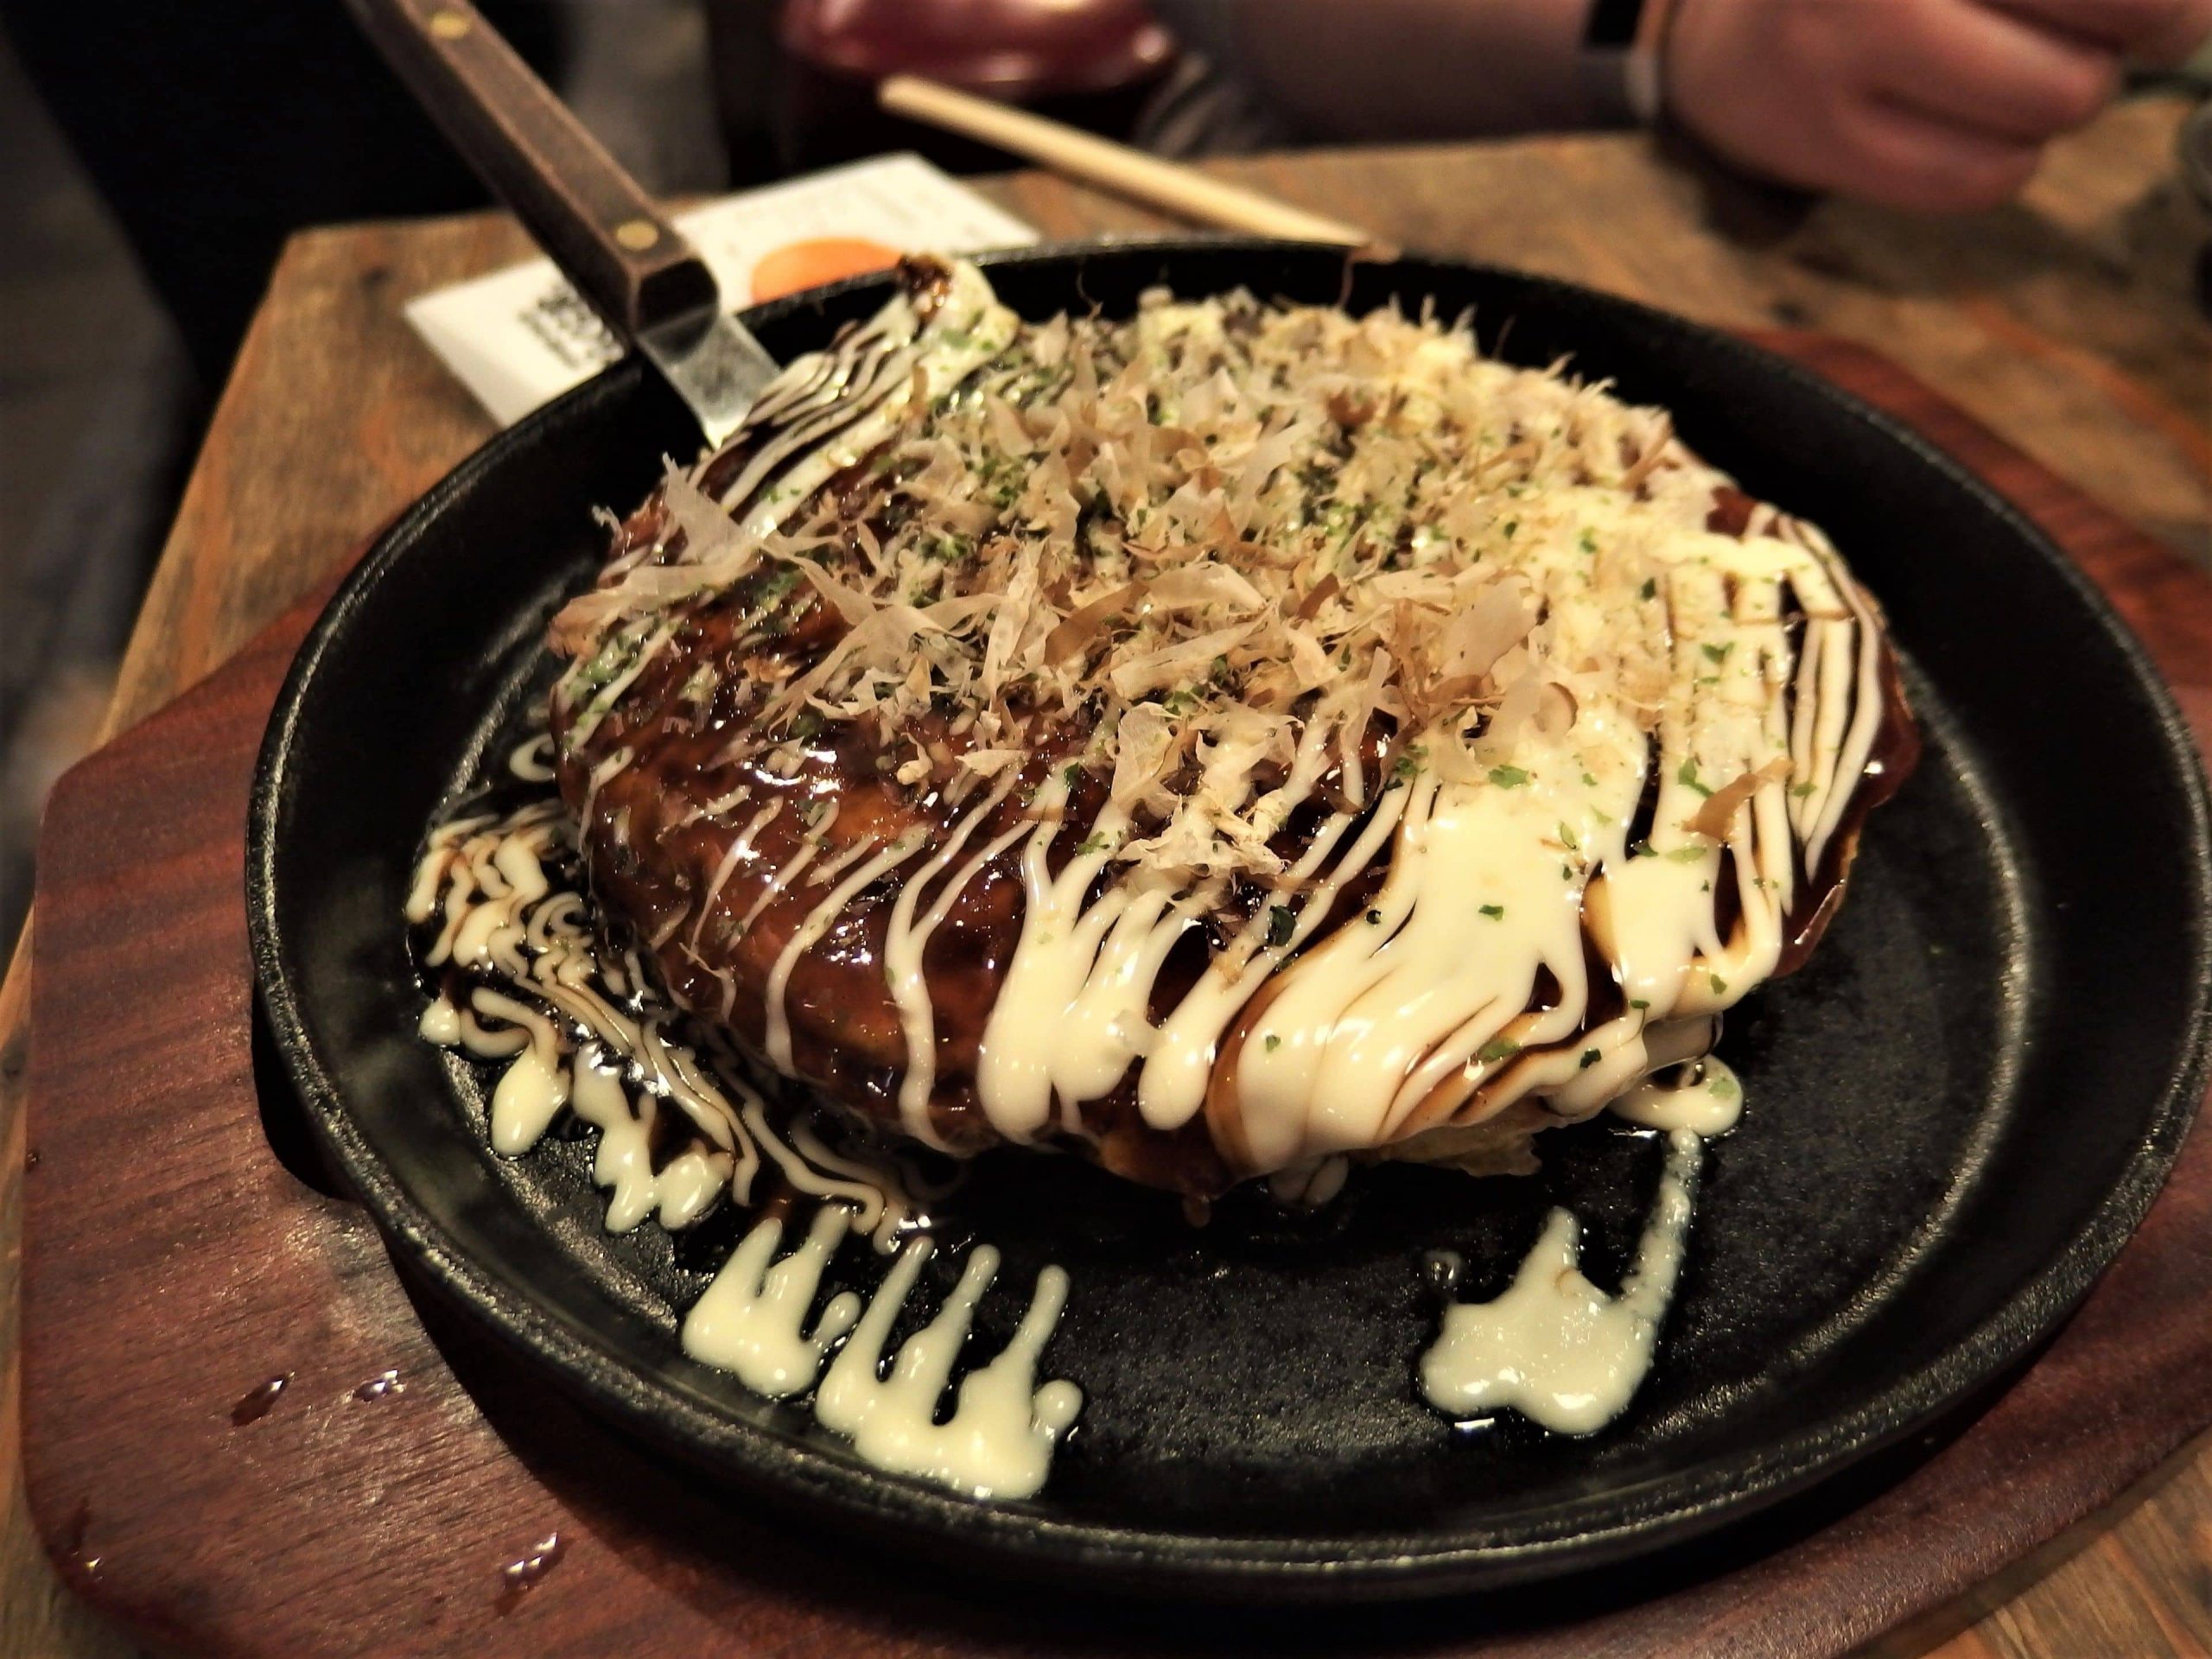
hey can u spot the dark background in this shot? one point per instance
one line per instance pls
(150, 168)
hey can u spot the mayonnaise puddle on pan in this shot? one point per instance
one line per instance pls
(1236, 744)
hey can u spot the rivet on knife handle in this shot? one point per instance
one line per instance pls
(634, 266)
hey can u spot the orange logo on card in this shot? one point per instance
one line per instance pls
(816, 261)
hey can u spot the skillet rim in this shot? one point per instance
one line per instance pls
(1577, 1533)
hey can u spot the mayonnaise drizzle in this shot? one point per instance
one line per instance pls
(511, 922)
(999, 1437)
(752, 1320)
(1707, 1102)
(817, 922)
(531, 760)
(781, 882)
(679, 1192)
(508, 920)
(904, 941)
(740, 849)
(1554, 1347)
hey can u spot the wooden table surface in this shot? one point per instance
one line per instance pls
(2066, 322)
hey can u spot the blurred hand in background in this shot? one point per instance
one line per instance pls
(1932, 105)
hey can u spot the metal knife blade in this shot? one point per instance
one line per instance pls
(605, 234)
(716, 364)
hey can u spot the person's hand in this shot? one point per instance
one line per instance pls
(1933, 105)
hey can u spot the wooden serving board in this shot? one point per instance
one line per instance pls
(184, 1250)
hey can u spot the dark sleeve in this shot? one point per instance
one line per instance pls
(1208, 105)
(1207, 27)
(216, 128)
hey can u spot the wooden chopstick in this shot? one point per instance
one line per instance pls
(1182, 191)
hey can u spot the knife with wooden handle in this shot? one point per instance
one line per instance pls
(637, 269)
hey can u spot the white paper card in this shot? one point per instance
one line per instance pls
(521, 336)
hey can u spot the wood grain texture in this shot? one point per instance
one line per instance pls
(2064, 323)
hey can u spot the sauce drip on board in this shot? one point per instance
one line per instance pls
(258, 1401)
(521, 1576)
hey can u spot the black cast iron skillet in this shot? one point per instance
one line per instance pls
(1957, 1111)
